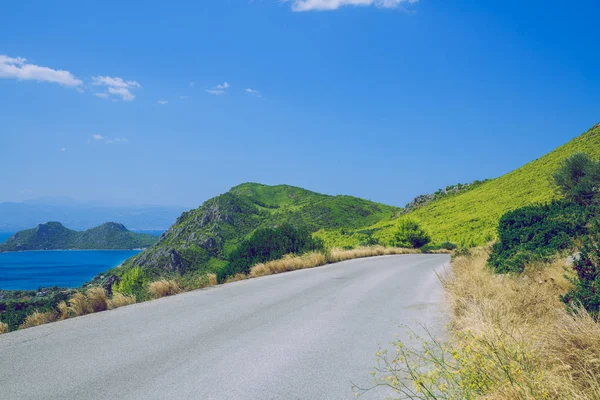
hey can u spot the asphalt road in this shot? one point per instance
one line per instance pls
(301, 335)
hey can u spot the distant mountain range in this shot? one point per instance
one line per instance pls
(76, 215)
(54, 236)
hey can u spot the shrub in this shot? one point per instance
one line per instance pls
(537, 233)
(462, 252)
(410, 234)
(578, 179)
(133, 282)
(3, 328)
(268, 244)
(163, 288)
(448, 246)
(586, 281)
(97, 299)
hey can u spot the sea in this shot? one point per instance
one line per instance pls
(30, 270)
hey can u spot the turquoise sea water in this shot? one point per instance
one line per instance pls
(4, 236)
(29, 270)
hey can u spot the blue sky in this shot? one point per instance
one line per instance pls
(174, 102)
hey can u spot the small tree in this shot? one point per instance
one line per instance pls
(578, 179)
(132, 282)
(268, 244)
(410, 234)
(586, 282)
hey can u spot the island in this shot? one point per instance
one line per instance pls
(55, 236)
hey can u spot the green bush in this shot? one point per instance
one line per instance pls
(578, 179)
(448, 246)
(537, 233)
(133, 282)
(268, 244)
(462, 252)
(586, 281)
(410, 234)
(17, 305)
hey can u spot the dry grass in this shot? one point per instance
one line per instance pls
(78, 305)
(206, 280)
(337, 255)
(290, 262)
(3, 328)
(94, 300)
(120, 300)
(63, 311)
(163, 288)
(97, 299)
(511, 339)
(480, 298)
(236, 278)
(212, 279)
(39, 318)
(527, 309)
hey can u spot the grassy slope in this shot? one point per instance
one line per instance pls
(54, 236)
(471, 218)
(201, 239)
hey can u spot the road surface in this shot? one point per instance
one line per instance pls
(300, 335)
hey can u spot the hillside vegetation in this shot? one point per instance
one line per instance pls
(54, 236)
(470, 218)
(201, 240)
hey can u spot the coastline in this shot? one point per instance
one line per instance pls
(29, 270)
(50, 250)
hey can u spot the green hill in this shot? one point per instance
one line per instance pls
(201, 239)
(470, 218)
(54, 236)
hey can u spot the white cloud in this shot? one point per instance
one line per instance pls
(184, 97)
(321, 5)
(117, 140)
(108, 140)
(219, 89)
(253, 92)
(192, 84)
(162, 102)
(115, 82)
(118, 87)
(125, 94)
(63, 149)
(18, 68)
(215, 92)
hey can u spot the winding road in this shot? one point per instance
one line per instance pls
(300, 335)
